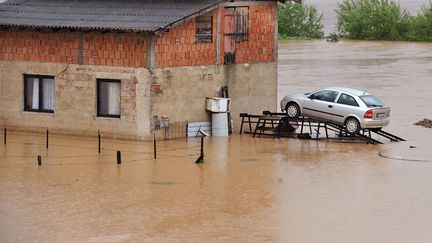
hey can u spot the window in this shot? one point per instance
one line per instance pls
(39, 93)
(371, 101)
(236, 28)
(347, 100)
(325, 95)
(108, 98)
(238, 23)
(204, 29)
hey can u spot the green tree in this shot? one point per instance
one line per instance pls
(300, 20)
(421, 25)
(372, 20)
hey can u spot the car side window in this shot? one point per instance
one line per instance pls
(325, 95)
(347, 100)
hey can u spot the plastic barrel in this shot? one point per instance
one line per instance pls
(220, 124)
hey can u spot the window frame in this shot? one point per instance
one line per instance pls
(98, 101)
(41, 94)
(197, 39)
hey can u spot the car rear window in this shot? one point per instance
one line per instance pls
(371, 101)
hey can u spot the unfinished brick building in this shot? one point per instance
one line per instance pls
(119, 66)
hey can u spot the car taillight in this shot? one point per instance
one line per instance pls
(368, 114)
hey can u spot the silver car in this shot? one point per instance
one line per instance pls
(347, 107)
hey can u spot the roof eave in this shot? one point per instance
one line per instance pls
(184, 19)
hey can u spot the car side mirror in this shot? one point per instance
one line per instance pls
(311, 97)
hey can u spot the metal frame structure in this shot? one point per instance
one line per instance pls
(279, 125)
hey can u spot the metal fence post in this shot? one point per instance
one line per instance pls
(154, 146)
(119, 157)
(47, 135)
(99, 142)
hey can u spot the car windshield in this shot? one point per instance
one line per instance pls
(371, 101)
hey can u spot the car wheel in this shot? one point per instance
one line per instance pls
(352, 126)
(292, 110)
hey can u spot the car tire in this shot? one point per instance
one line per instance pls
(292, 110)
(352, 126)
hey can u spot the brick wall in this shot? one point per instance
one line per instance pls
(98, 49)
(115, 50)
(178, 48)
(34, 46)
(261, 44)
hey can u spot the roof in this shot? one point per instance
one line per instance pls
(117, 15)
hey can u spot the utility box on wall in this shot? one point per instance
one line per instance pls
(217, 104)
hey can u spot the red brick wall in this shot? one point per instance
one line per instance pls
(115, 50)
(178, 48)
(261, 44)
(174, 48)
(34, 46)
(98, 49)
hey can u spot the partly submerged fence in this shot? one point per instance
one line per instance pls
(154, 149)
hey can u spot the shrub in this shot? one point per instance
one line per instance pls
(372, 20)
(300, 20)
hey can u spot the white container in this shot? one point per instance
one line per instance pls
(220, 124)
(217, 104)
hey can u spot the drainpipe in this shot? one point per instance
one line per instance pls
(218, 39)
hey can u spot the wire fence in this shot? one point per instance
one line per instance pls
(94, 146)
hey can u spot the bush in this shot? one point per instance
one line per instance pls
(372, 20)
(300, 20)
(421, 25)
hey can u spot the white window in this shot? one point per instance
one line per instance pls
(39, 93)
(108, 98)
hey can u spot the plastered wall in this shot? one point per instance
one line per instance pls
(252, 88)
(75, 92)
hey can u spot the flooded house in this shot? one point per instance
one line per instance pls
(124, 66)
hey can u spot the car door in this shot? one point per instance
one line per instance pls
(345, 105)
(320, 104)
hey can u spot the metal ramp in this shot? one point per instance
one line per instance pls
(279, 125)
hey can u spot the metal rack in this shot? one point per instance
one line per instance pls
(279, 125)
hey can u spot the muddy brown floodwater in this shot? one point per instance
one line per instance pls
(249, 190)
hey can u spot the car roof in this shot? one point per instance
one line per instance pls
(350, 91)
